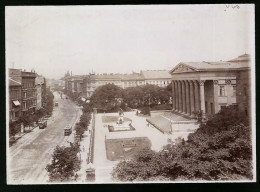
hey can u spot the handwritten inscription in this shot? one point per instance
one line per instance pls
(231, 7)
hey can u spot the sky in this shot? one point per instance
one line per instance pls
(124, 39)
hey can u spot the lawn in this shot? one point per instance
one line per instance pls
(112, 119)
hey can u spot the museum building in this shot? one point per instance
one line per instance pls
(210, 86)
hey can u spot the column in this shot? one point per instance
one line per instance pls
(187, 97)
(197, 97)
(180, 95)
(173, 96)
(192, 102)
(229, 92)
(202, 98)
(177, 96)
(183, 97)
(216, 88)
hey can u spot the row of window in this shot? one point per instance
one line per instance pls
(223, 93)
(15, 93)
(29, 103)
(28, 84)
(158, 82)
(29, 94)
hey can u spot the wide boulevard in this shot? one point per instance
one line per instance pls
(28, 157)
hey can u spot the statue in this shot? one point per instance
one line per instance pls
(121, 116)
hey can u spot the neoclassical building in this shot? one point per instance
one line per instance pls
(85, 85)
(209, 86)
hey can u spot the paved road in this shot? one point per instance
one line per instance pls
(28, 157)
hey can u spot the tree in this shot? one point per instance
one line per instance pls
(65, 163)
(49, 102)
(147, 95)
(14, 128)
(107, 97)
(169, 88)
(79, 130)
(134, 96)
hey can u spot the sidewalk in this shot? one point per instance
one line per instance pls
(84, 151)
(18, 136)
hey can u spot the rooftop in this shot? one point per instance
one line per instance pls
(244, 57)
(14, 82)
(156, 74)
(243, 61)
(14, 72)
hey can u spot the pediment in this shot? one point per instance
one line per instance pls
(182, 68)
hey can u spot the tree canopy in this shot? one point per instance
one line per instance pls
(65, 163)
(107, 97)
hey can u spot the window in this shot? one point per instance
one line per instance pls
(24, 105)
(234, 90)
(245, 91)
(24, 95)
(222, 91)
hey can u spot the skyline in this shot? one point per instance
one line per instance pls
(123, 39)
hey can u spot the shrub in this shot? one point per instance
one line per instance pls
(162, 107)
(145, 110)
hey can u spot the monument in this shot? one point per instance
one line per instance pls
(121, 124)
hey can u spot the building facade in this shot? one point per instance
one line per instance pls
(210, 86)
(29, 97)
(15, 90)
(22, 92)
(161, 78)
(86, 85)
(40, 92)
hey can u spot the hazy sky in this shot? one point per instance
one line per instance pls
(122, 39)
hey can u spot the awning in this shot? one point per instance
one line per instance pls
(16, 103)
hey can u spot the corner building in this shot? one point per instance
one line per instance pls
(210, 86)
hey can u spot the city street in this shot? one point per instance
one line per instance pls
(29, 156)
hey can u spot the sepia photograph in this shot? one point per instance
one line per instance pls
(100, 94)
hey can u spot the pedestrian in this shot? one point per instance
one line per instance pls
(76, 177)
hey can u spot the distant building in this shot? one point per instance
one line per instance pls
(162, 78)
(28, 97)
(85, 85)
(40, 86)
(15, 90)
(210, 86)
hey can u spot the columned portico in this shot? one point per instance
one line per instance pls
(180, 96)
(187, 97)
(176, 96)
(183, 97)
(173, 96)
(196, 96)
(192, 96)
(208, 87)
(202, 98)
(216, 88)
